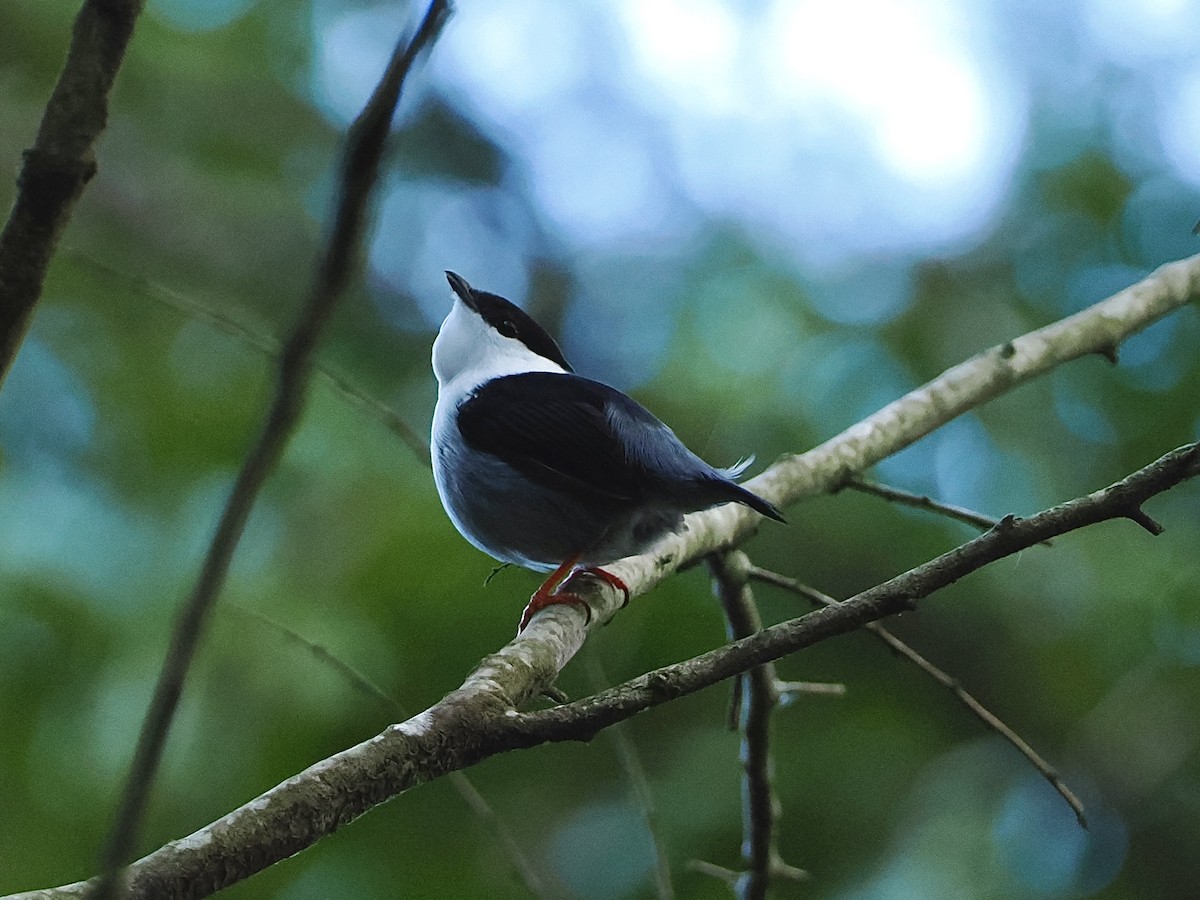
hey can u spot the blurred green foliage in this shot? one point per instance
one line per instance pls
(124, 419)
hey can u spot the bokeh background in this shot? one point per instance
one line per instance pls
(765, 220)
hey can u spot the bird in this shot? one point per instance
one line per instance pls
(546, 469)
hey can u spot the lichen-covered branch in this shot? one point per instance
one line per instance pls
(522, 865)
(1099, 329)
(582, 718)
(481, 718)
(467, 725)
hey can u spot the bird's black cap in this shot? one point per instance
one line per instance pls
(508, 319)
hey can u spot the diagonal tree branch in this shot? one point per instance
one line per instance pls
(60, 164)
(920, 501)
(583, 718)
(946, 680)
(463, 786)
(360, 166)
(528, 665)
(480, 719)
(1099, 329)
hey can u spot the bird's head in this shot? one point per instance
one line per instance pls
(486, 336)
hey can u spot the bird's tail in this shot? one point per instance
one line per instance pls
(734, 492)
(739, 494)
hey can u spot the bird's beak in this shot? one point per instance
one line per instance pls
(462, 290)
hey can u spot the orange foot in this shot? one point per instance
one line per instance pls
(549, 594)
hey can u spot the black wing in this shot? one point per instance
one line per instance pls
(576, 434)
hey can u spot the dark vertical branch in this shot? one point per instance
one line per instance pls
(60, 164)
(760, 696)
(360, 167)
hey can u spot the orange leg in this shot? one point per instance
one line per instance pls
(548, 594)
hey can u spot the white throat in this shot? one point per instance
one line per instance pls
(468, 352)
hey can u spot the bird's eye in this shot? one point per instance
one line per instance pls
(508, 328)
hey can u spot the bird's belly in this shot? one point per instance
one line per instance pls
(514, 519)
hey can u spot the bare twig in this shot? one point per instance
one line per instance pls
(808, 688)
(631, 764)
(483, 811)
(458, 780)
(735, 880)
(61, 162)
(349, 673)
(479, 719)
(712, 870)
(360, 167)
(920, 501)
(270, 346)
(760, 696)
(990, 719)
(376, 409)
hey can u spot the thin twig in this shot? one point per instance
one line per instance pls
(712, 870)
(270, 347)
(360, 168)
(809, 689)
(989, 719)
(61, 162)
(921, 501)
(631, 765)
(376, 409)
(735, 880)
(487, 816)
(461, 783)
(352, 676)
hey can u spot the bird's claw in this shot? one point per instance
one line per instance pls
(542, 597)
(540, 601)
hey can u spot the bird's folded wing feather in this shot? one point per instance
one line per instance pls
(572, 433)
